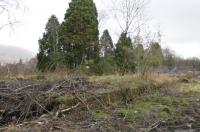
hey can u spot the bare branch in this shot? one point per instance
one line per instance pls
(119, 23)
(7, 9)
(129, 13)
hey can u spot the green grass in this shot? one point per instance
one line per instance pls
(131, 126)
(100, 114)
(133, 112)
(161, 106)
(159, 99)
(128, 113)
(65, 101)
(167, 111)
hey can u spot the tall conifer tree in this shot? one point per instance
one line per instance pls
(48, 56)
(155, 54)
(106, 44)
(79, 33)
(124, 54)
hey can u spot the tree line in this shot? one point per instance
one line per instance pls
(75, 44)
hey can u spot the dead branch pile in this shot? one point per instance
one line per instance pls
(20, 100)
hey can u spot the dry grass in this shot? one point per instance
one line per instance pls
(115, 81)
(189, 87)
(162, 78)
(10, 128)
(113, 78)
(129, 81)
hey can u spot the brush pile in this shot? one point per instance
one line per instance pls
(20, 100)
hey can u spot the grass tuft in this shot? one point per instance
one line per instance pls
(99, 114)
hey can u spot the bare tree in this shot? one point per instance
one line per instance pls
(147, 61)
(7, 12)
(129, 14)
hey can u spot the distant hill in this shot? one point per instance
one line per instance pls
(12, 54)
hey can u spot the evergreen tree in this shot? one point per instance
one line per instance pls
(139, 56)
(124, 54)
(79, 33)
(49, 56)
(155, 54)
(169, 58)
(106, 44)
(139, 51)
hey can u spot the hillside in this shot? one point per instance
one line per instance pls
(12, 54)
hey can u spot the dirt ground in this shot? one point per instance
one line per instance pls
(81, 105)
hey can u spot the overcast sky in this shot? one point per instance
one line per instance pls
(179, 22)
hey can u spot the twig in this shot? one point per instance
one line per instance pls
(56, 87)
(67, 110)
(83, 102)
(41, 106)
(97, 99)
(28, 86)
(154, 126)
(60, 128)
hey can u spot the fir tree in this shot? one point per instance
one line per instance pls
(124, 54)
(79, 33)
(155, 54)
(106, 44)
(48, 56)
(139, 52)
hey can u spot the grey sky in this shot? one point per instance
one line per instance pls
(179, 21)
(180, 24)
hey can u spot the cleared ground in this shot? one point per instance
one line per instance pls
(116, 103)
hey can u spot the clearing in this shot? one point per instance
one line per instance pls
(106, 103)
